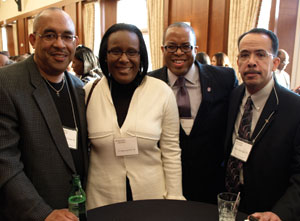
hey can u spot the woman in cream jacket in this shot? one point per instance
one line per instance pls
(133, 126)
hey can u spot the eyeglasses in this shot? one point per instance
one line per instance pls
(50, 37)
(129, 53)
(174, 48)
(258, 55)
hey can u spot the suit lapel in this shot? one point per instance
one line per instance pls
(164, 75)
(267, 116)
(50, 114)
(207, 98)
(79, 95)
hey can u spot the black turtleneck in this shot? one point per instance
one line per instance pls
(121, 95)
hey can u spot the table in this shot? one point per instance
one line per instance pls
(157, 210)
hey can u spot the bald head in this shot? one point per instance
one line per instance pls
(284, 59)
(39, 19)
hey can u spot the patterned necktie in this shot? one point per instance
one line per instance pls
(183, 99)
(235, 165)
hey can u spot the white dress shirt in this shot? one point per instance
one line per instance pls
(259, 100)
(193, 86)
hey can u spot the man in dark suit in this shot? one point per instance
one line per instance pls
(202, 133)
(43, 137)
(265, 160)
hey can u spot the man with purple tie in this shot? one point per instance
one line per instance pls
(202, 93)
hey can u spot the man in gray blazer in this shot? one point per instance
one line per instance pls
(43, 137)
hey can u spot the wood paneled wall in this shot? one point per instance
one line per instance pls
(284, 26)
(209, 19)
(72, 7)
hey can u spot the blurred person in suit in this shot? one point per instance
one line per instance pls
(128, 114)
(202, 129)
(43, 137)
(263, 134)
(85, 64)
(220, 59)
(282, 77)
(203, 58)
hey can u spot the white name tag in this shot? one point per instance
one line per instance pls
(187, 125)
(126, 146)
(241, 149)
(71, 136)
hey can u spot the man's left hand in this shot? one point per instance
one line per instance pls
(266, 216)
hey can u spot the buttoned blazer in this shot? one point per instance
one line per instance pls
(271, 173)
(36, 163)
(203, 150)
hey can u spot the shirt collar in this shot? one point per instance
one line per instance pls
(192, 76)
(260, 98)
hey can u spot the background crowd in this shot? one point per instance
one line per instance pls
(186, 131)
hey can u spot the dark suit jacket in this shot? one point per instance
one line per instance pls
(272, 171)
(203, 150)
(36, 165)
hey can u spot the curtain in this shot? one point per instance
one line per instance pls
(295, 81)
(15, 36)
(243, 16)
(30, 31)
(89, 24)
(155, 26)
(1, 40)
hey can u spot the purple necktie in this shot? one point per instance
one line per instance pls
(183, 99)
(235, 165)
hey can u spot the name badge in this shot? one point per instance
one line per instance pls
(71, 136)
(187, 124)
(241, 149)
(126, 146)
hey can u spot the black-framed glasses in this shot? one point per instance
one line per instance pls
(50, 37)
(258, 55)
(174, 48)
(118, 53)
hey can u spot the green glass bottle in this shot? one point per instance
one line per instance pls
(77, 199)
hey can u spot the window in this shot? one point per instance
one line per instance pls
(127, 13)
(264, 14)
(4, 39)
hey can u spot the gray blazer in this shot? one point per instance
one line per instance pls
(36, 165)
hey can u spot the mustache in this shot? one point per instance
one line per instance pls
(252, 72)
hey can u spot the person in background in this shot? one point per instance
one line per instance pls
(85, 64)
(18, 58)
(203, 58)
(43, 137)
(263, 134)
(282, 77)
(202, 113)
(220, 59)
(4, 59)
(133, 126)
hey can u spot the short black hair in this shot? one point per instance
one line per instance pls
(180, 25)
(269, 33)
(203, 58)
(6, 53)
(143, 49)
